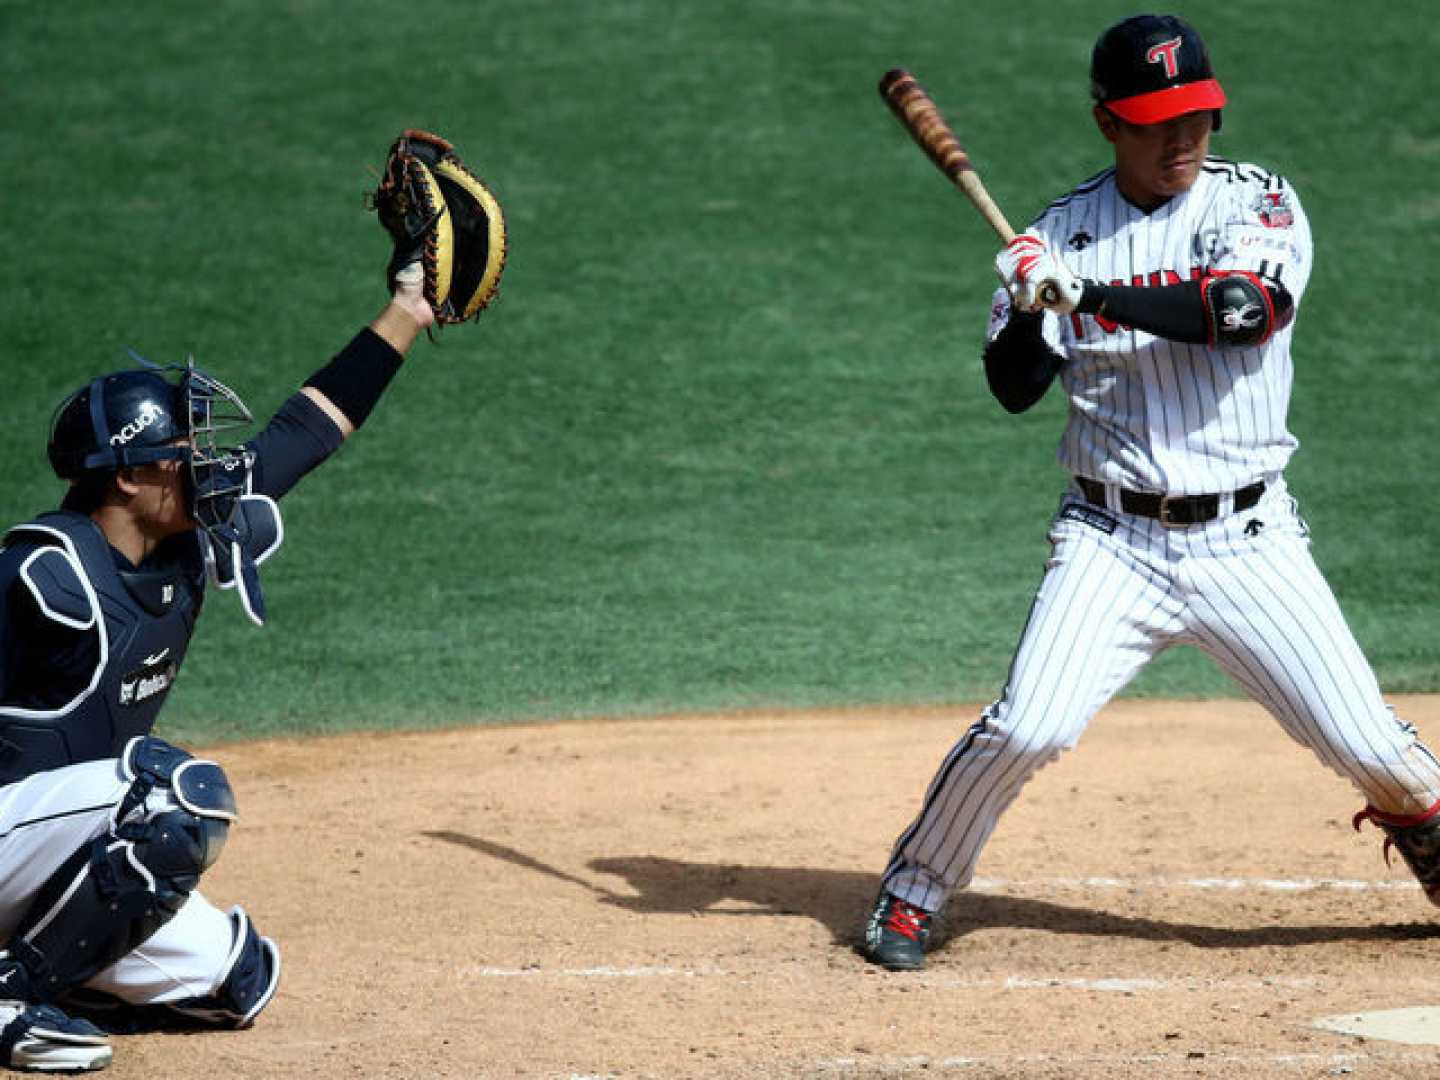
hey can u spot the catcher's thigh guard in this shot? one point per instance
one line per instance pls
(118, 889)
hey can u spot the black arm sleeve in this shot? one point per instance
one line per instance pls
(1178, 312)
(298, 437)
(1019, 365)
(1173, 312)
(358, 375)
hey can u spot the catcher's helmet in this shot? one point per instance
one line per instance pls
(1151, 68)
(119, 420)
(138, 416)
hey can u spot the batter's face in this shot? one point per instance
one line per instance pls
(1156, 162)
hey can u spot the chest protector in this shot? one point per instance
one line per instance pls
(133, 628)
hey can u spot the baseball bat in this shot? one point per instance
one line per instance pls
(917, 112)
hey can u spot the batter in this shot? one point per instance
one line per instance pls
(1162, 293)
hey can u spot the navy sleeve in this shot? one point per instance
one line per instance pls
(1019, 364)
(299, 437)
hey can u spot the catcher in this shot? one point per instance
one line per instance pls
(106, 830)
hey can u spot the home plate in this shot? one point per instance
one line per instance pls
(1419, 1026)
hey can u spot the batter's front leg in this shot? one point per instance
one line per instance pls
(1272, 622)
(1102, 611)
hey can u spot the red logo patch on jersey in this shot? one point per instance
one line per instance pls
(1274, 210)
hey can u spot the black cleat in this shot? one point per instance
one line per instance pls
(41, 1038)
(896, 935)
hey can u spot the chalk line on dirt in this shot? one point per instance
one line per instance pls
(1190, 1061)
(1130, 985)
(1194, 884)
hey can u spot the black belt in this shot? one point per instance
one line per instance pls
(1172, 509)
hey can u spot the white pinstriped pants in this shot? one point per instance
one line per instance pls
(1244, 589)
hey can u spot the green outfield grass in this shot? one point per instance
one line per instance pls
(724, 442)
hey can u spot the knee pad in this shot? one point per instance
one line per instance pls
(196, 785)
(252, 975)
(120, 888)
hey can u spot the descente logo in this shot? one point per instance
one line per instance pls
(148, 415)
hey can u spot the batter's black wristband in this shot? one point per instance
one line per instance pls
(358, 375)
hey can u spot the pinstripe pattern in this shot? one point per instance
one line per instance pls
(1152, 415)
(1108, 604)
(1155, 415)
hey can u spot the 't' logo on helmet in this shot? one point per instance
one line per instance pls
(1164, 53)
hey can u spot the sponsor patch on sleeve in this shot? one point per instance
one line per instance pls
(1274, 210)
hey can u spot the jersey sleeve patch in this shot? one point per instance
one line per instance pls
(999, 314)
(1267, 234)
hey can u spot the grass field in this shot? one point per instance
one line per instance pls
(724, 441)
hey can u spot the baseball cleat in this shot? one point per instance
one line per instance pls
(896, 935)
(41, 1038)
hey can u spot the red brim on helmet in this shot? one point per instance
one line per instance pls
(1159, 105)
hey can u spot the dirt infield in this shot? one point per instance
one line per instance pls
(1182, 896)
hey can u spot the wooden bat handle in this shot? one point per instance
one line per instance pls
(917, 111)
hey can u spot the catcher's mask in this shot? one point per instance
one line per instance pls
(139, 416)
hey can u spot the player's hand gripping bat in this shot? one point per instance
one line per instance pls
(917, 111)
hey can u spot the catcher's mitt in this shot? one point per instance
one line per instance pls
(440, 213)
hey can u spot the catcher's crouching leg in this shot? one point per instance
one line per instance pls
(118, 890)
(1417, 838)
(244, 984)
(252, 975)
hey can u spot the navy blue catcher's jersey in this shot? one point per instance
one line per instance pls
(90, 645)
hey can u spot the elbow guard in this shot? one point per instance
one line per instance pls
(1241, 311)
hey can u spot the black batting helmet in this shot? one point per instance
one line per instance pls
(1151, 68)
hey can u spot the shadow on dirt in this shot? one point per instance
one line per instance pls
(840, 901)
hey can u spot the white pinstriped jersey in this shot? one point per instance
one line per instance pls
(1120, 588)
(1155, 415)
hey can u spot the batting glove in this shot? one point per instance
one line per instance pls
(1036, 278)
